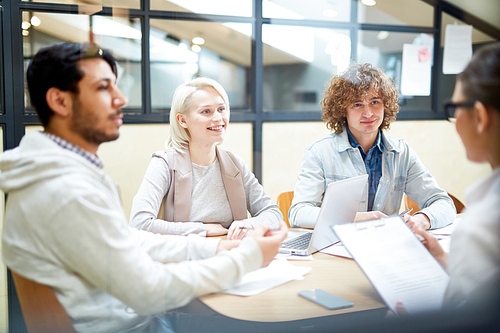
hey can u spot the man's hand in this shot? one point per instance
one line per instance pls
(238, 229)
(268, 241)
(420, 221)
(215, 229)
(432, 244)
(367, 216)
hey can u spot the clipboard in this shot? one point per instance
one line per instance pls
(397, 264)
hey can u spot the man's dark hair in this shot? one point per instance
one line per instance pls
(57, 66)
(481, 78)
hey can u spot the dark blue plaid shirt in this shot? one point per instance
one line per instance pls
(373, 164)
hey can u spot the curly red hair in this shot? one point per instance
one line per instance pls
(352, 85)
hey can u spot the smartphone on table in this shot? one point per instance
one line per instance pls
(325, 299)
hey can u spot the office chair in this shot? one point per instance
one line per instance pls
(412, 204)
(284, 203)
(42, 311)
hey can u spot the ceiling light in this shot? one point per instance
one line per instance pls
(383, 35)
(35, 21)
(198, 40)
(330, 13)
(195, 48)
(369, 2)
(25, 33)
(25, 25)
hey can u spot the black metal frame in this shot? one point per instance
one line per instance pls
(13, 119)
(13, 96)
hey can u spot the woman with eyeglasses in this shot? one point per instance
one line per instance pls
(205, 190)
(473, 263)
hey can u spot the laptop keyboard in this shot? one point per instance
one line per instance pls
(301, 242)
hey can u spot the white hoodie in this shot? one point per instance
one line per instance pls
(65, 227)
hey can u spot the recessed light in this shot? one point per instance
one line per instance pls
(25, 25)
(196, 48)
(198, 40)
(35, 21)
(369, 2)
(383, 35)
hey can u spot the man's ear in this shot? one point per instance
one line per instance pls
(483, 116)
(59, 101)
(181, 120)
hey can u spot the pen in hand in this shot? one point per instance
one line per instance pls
(246, 228)
(408, 211)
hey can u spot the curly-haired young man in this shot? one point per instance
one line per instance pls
(359, 105)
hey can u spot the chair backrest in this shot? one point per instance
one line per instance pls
(41, 309)
(458, 204)
(284, 203)
(412, 204)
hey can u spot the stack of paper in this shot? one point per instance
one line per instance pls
(278, 272)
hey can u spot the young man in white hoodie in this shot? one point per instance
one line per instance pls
(64, 223)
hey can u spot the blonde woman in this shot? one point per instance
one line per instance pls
(205, 190)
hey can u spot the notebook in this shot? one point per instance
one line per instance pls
(340, 204)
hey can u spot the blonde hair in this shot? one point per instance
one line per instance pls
(181, 103)
(353, 84)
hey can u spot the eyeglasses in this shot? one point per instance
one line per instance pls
(450, 109)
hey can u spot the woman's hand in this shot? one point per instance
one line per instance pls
(400, 310)
(432, 244)
(215, 229)
(238, 229)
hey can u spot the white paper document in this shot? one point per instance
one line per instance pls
(278, 272)
(416, 70)
(338, 249)
(396, 263)
(457, 48)
(289, 256)
(448, 230)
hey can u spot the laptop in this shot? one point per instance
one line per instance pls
(340, 205)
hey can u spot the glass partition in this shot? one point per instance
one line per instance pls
(400, 12)
(447, 81)
(215, 7)
(120, 35)
(328, 10)
(87, 4)
(385, 50)
(181, 50)
(298, 61)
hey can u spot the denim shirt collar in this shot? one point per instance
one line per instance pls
(355, 144)
(344, 144)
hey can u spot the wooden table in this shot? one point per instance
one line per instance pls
(337, 275)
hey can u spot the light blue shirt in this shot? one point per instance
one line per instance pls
(373, 164)
(333, 158)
